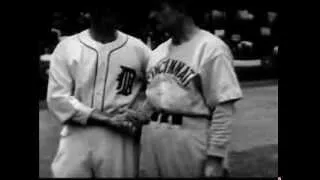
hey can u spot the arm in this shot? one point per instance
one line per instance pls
(219, 137)
(61, 103)
(221, 90)
(220, 129)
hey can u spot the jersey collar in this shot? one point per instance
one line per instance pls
(86, 39)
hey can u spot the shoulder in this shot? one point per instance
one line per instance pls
(158, 53)
(212, 42)
(213, 48)
(69, 40)
(69, 43)
(138, 46)
(135, 42)
(162, 48)
(68, 47)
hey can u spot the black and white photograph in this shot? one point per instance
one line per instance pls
(159, 89)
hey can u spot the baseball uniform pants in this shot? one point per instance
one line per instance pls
(174, 150)
(95, 152)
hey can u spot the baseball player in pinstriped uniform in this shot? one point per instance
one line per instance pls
(96, 78)
(192, 88)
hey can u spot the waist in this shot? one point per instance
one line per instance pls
(182, 120)
(88, 131)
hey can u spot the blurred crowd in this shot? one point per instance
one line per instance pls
(241, 29)
(250, 33)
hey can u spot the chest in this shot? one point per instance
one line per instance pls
(106, 64)
(181, 63)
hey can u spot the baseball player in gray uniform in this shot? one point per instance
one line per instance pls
(192, 89)
(95, 84)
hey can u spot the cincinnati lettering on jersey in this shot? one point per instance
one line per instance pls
(177, 68)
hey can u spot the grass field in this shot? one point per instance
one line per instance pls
(254, 146)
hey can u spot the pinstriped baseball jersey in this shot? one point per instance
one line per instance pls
(85, 75)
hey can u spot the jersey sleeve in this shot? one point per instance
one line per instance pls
(220, 90)
(219, 80)
(60, 101)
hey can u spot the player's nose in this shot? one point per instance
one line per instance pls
(152, 14)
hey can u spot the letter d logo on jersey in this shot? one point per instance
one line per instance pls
(125, 80)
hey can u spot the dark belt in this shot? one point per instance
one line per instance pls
(176, 118)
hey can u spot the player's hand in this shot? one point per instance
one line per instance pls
(139, 118)
(100, 116)
(124, 122)
(131, 121)
(213, 167)
(126, 126)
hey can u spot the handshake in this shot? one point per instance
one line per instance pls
(127, 121)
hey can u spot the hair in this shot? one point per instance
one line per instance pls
(191, 8)
(123, 12)
(99, 11)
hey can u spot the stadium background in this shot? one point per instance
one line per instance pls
(251, 33)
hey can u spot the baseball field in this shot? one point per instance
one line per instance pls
(254, 146)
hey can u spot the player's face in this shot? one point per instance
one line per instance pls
(165, 16)
(103, 18)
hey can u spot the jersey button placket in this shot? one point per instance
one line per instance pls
(99, 83)
(98, 98)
